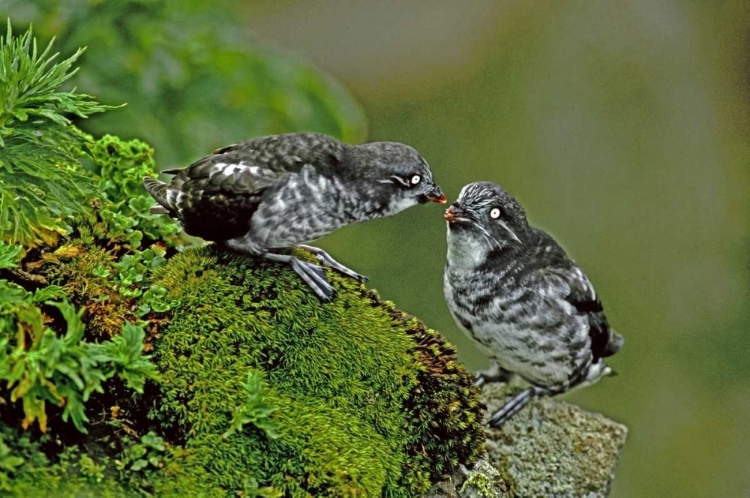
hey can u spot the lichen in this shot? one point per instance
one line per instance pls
(550, 448)
(484, 481)
(572, 451)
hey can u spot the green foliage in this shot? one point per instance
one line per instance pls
(119, 167)
(123, 357)
(119, 242)
(348, 385)
(91, 469)
(10, 255)
(8, 464)
(25, 470)
(43, 188)
(40, 185)
(192, 76)
(255, 410)
(149, 452)
(40, 366)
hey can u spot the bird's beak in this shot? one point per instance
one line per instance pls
(437, 195)
(453, 213)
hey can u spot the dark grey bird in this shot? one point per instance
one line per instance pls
(516, 293)
(282, 191)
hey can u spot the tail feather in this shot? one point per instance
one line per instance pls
(614, 345)
(159, 210)
(158, 191)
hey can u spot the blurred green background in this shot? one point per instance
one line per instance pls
(622, 127)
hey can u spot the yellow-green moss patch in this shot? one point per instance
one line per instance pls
(369, 401)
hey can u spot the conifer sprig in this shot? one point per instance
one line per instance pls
(41, 182)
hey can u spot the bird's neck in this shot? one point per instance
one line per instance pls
(364, 200)
(475, 253)
(465, 252)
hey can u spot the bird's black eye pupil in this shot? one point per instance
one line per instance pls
(495, 213)
(415, 179)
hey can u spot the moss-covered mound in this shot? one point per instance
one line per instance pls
(255, 386)
(348, 398)
(260, 390)
(129, 369)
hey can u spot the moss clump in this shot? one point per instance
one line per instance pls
(367, 400)
(27, 471)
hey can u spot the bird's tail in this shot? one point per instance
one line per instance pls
(614, 345)
(158, 191)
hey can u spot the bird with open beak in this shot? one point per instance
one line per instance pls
(515, 292)
(270, 193)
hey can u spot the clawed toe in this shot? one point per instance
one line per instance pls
(313, 275)
(327, 260)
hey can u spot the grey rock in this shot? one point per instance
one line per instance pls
(551, 448)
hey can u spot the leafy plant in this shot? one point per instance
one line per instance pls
(119, 167)
(89, 468)
(255, 410)
(148, 452)
(9, 256)
(8, 464)
(123, 356)
(41, 184)
(43, 367)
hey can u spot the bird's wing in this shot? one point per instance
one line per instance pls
(287, 153)
(249, 167)
(215, 197)
(215, 178)
(575, 288)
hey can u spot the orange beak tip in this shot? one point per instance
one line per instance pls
(449, 214)
(441, 200)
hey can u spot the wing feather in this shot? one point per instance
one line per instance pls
(216, 196)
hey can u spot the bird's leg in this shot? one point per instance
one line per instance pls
(327, 260)
(312, 274)
(516, 404)
(495, 373)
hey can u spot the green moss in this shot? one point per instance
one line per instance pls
(354, 398)
(368, 400)
(27, 471)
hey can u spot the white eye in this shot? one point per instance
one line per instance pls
(416, 179)
(495, 213)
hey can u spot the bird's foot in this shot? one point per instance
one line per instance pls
(493, 374)
(313, 275)
(327, 260)
(515, 405)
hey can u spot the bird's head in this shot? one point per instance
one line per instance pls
(487, 218)
(398, 175)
